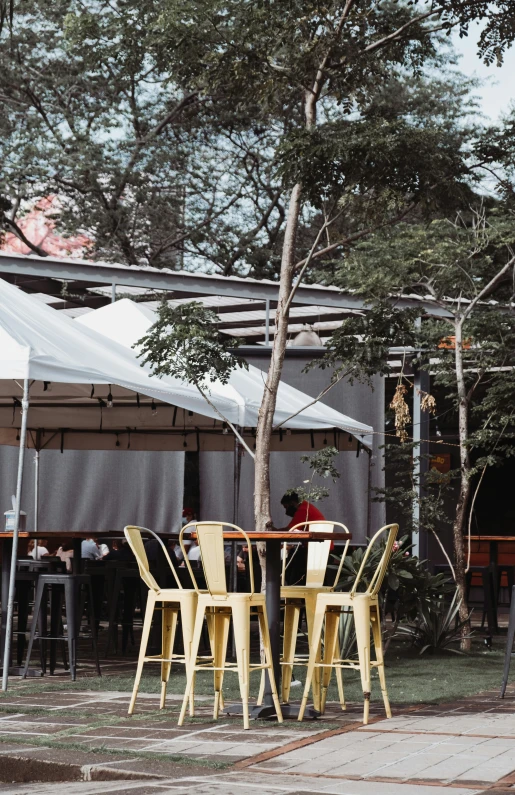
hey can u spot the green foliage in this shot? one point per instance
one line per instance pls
(437, 626)
(408, 584)
(185, 343)
(359, 347)
(403, 491)
(170, 132)
(322, 465)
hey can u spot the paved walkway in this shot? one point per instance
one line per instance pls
(458, 749)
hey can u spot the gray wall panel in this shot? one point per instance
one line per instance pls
(98, 490)
(348, 501)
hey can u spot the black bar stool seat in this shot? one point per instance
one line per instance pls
(69, 585)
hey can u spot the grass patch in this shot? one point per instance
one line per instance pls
(45, 742)
(411, 679)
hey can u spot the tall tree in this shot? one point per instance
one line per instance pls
(320, 64)
(465, 268)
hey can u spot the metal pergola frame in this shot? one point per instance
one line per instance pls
(73, 285)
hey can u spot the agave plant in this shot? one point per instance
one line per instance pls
(437, 626)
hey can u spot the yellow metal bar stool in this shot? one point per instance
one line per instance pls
(365, 608)
(304, 596)
(226, 606)
(172, 602)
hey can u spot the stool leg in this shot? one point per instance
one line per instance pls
(509, 645)
(42, 627)
(291, 628)
(188, 610)
(378, 643)
(190, 667)
(489, 597)
(129, 597)
(332, 620)
(23, 588)
(261, 693)
(55, 621)
(112, 628)
(339, 682)
(71, 611)
(93, 625)
(241, 626)
(314, 647)
(265, 634)
(169, 626)
(221, 622)
(35, 615)
(310, 603)
(362, 623)
(147, 623)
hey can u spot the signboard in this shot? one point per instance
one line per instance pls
(441, 462)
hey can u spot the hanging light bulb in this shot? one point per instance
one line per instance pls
(109, 403)
(225, 429)
(153, 408)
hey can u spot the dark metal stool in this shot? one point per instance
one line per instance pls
(127, 581)
(509, 644)
(27, 573)
(70, 585)
(489, 604)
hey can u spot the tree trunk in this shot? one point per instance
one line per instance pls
(267, 408)
(464, 495)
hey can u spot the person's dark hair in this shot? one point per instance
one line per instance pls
(289, 497)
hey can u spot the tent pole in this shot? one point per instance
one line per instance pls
(36, 492)
(14, 554)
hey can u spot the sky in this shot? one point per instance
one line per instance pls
(498, 87)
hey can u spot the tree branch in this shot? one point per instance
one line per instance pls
(488, 288)
(13, 226)
(358, 235)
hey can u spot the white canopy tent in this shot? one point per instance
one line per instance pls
(62, 385)
(302, 421)
(55, 374)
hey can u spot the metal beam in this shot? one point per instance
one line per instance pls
(192, 283)
(319, 317)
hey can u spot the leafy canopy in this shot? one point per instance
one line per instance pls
(184, 343)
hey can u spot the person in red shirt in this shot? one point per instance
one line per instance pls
(300, 511)
(297, 554)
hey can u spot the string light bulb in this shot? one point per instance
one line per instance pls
(109, 403)
(153, 408)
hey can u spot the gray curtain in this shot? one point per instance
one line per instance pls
(97, 490)
(350, 497)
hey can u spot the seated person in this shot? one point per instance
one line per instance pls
(65, 553)
(120, 550)
(41, 551)
(89, 550)
(296, 561)
(194, 552)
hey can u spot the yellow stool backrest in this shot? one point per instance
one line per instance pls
(318, 553)
(210, 536)
(133, 535)
(379, 574)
